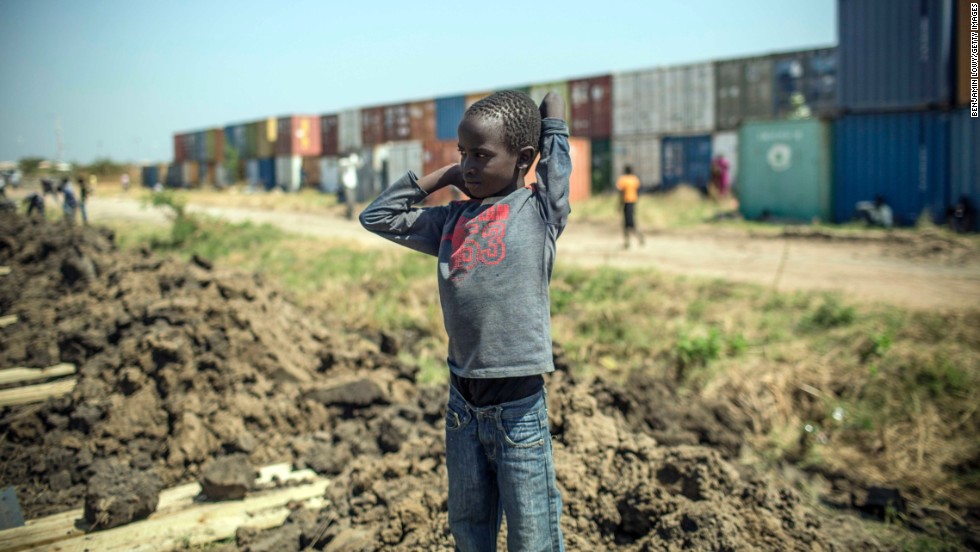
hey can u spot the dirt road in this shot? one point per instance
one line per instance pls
(864, 270)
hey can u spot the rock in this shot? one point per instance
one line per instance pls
(879, 501)
(356, 394)
(328, 459)
(117, 494)
(228, 478)
(350, 540)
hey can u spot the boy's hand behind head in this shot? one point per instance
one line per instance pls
(553, 106)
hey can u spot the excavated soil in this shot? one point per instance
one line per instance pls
(181, 363)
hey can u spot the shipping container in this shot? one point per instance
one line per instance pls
(602, 164)
(785, 169)
(298, 135)
(311, 173)
(894, 54)
(743, 91)
(539, 91)
(580, 181)
(289, 171)
(399, 158)
(190, 177)
(205, 173)
(521, 89)
(962, 58)
(964, 178)
(329, 174)
(449, 112)
(592, 105)
(329, 134)
(903, 157)
(810, 76)
(252, 139)
(642, 154)
(435, 155)
(267, 135)
(235, 139)
(149, 176)
(686, 160)
(666, 100)
(475, 97)
(725, 144)
(267, 173)
(369, 179)
(252, 176)
(397, 123)
(372, 126)
(422, 119)
(180, 148)
(349, 130)
(175, 175)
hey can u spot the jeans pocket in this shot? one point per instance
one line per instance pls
(524, 432)
(456, 420)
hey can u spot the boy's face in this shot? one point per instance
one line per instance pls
(488, 167)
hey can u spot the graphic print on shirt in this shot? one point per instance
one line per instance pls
(478, 241)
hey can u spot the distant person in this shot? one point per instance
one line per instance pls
(69, 202)
(875, 213)
(720, 179)
(47, 187)
(35, 204)
(124, 182)
(85, 189)
(962, 217)
(349, 165)
(629, 188)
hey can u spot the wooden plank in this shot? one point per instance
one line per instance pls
(199, 524)
(20, 374)
(7, 320)
(4, 270)
(36, 393)
(71, 524)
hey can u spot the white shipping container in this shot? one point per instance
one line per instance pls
(726, 144)
(189, 176)
(403, 157)
(349, 130)
(252, 172)
(640, 152)
(665, 100)
(329, 174)
(220, 175)
(289, 169)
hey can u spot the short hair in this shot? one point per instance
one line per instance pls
(519, 114)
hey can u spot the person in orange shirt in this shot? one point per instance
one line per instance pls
(629, 187)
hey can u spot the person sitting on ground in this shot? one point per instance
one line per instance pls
(876, 213)
(962, 216)
(495, 256)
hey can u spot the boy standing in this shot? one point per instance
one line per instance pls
(496, 252)
(629, 187)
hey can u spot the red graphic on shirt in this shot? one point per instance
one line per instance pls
(478, 240)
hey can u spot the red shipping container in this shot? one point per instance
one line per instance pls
(398, 125)
(330, 135)
(372, 126)
(591, 107)
(298, 135)
(219, 144)
(180, 151)
(422, 121)
(580, 182)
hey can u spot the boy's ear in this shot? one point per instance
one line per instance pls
(525, 157)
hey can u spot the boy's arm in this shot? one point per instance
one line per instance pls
(392, 216)
(555, 166)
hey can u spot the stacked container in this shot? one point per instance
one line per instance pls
(743, 91)
(786, 170)
(965, 160)
(539, 91)
(349, 131)
(330, 134)
(670, 100)
(329, 174)
(686, 160)
(422, 120)
(809, 75)
(397, 122)
(372, 126)
(591, 107)
(642, 154)
(449, 112)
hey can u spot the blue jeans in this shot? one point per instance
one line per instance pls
(499, 462)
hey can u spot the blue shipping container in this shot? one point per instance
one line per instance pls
(235, 138)
(267, 172)
(685, 160)
(964, 144)
(449, 112)
(812, 74)
(903, 157)
(150, 176)
(895, 54)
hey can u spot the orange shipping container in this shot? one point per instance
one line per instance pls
(422, 120)
(298, 135)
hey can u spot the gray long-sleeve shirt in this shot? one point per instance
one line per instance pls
(495, 261)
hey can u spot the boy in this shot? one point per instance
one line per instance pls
(629, 186)
(495, 252)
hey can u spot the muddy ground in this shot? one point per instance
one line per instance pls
(180, 363)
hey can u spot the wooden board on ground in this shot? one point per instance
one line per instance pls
(21, 375)
(36, 393)
(4, 270)
(7, 320)
(180, 519)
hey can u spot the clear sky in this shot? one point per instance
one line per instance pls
(122, 76)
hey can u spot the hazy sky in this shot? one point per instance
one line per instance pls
(122, 76)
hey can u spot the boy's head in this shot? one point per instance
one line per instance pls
(498, 139)
(628, 169)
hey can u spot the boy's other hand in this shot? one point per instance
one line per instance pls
(552, 106)
(450, 175)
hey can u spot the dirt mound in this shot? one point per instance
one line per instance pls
(180, 364)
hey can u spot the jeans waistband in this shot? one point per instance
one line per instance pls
(512, 409)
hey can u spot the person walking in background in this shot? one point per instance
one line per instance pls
(124, 182)
(349, 166)
(720, 179)
(84, 189)
(629, 189)
(35, 204)
(70, 202)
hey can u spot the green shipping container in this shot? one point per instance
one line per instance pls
(602, 159)
(251, 141)
(785, 170)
